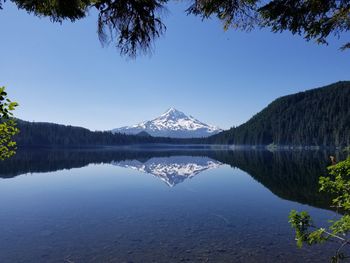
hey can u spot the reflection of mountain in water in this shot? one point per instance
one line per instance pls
(291, 175)
(172, 170)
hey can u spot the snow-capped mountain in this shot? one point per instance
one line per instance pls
(172, 170)
(173, 123)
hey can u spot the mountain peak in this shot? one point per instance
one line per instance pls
(173, 113)
(172, 110)
(172, 123)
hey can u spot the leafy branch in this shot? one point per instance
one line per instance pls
(338, 184)
(8, 127)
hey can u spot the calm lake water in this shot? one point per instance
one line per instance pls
(159, 205)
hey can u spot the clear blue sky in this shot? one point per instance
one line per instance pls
(60, 73)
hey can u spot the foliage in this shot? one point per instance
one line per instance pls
(134, 24)
(7, 126)
(240, 14)
(314, 19)
(318, 117)
(131, 24)
(56, 10)
(337, 184)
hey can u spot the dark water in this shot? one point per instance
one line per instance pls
(159, 206)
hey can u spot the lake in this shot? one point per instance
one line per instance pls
(159, 205)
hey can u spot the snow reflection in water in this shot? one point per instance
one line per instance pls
(172, 170)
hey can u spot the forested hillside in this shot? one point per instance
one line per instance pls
(318, 117)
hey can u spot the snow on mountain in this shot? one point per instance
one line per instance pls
(172, 170)
(173, 123)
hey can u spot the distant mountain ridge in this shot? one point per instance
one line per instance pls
(174, 124)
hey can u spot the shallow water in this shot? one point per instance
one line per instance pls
(159, 206)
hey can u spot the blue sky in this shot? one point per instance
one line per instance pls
(60, 73)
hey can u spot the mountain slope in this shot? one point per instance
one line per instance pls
(317, 117)
(172, 123)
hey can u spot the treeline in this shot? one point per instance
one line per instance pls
(318, 117)
(41, 134)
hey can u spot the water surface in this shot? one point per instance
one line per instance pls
(159, 206)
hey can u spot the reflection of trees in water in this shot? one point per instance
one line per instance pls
(291, 175)
(37, 161)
